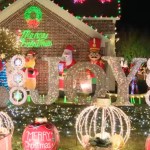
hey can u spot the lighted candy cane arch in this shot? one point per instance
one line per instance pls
(147, 95)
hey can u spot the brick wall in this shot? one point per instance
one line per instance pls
(60, 32)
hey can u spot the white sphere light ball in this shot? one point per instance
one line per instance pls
(102, 121)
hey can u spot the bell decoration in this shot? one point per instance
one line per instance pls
(40, 135)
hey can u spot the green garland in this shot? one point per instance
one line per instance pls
(36, 10)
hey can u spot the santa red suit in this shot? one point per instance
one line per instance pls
(65, 64)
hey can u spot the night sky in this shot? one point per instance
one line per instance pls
(135, 14)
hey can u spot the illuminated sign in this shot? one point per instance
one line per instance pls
(38, 39)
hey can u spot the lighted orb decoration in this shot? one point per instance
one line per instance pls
(147, 95)
(148, 64)
(4, 97)
(73, 84)
(18, 62)
(17, 95)
(40, 135)
(53, 81)
(6, 131)
(100, 124)
(17, 78)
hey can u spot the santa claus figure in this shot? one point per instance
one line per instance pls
(68, 57)
(30, 71)
(67, 62)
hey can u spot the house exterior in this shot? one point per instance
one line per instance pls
(60, 29)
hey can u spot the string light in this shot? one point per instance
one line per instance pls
(122, 80)
(53, 90)
(99, 121)
(147, 99)
(71, 90)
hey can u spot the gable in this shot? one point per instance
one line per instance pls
(62, 29)
(55, 9)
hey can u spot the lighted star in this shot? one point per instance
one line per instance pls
(18, 95)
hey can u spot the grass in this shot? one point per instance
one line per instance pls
(70, 142)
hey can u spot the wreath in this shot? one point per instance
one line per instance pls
(38, 16)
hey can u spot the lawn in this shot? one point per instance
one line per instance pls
(63, 116)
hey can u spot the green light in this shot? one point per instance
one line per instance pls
(33, 9)
(38, 39)
(140, 102)
(29, 98)
(78, 17)
(132, 100)
(65, 99)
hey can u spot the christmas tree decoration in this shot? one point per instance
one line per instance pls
(8, 43)
(102, 125)
(40, 135)
(4, 97)
(6, 131)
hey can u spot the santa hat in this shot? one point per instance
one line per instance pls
(70, 48)
(95, 44)
(31, 53)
